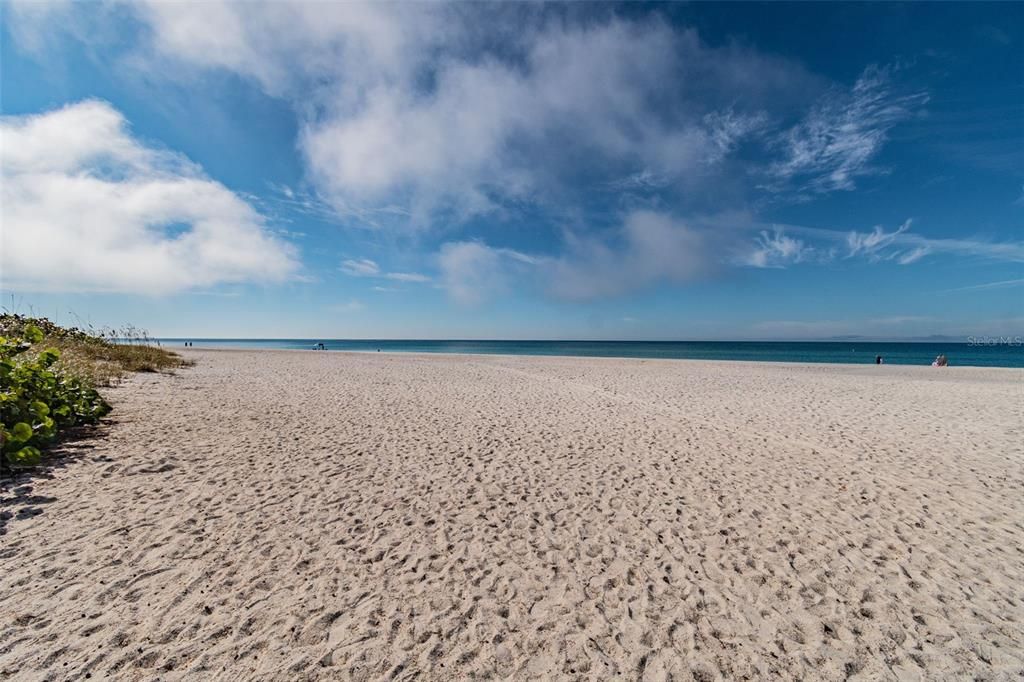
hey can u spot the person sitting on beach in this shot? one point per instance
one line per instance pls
(940, 361)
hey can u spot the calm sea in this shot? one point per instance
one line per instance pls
(855, 352)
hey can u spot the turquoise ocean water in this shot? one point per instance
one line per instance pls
(988, 353)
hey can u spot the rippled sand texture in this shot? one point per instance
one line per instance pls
(299, 515)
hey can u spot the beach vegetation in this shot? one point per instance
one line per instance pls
(50, 376)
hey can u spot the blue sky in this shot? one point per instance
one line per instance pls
(685, 171)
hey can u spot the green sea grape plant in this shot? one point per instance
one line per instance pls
(37, 401)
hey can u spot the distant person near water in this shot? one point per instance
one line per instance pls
(879, 360)
(940, 361)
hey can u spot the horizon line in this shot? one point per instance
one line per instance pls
(1016, 339)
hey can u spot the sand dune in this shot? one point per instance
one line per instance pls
(298, 515)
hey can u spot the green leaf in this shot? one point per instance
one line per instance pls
(33, 334)
(49, 356)
(27, 456)
(40, 408)
(21, 432)
(46, 426)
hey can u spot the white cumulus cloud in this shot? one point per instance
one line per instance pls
(647, 248)
(472, 272)
(650, 247)
(490, 130)
(420, 114)
(88, 207)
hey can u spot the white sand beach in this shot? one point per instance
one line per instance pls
(287, 515)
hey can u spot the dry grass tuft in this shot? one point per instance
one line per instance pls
(102, 357)
(107, 363)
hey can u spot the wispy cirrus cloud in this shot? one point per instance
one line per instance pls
(839, 138)
(727, 128)
(360, 267)
(1002, 284)
(906, 247)
(785, 245)
(874, 243)
(365, 267)
(407, 277)
(913, 255)
(639, 181)
(775, 249)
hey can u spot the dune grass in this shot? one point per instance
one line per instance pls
(102, 357)
(49, 377)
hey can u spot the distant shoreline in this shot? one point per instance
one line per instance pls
(470, 355)
(797, 352)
